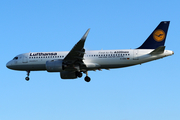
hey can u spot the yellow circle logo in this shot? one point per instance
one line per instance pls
(159, 35)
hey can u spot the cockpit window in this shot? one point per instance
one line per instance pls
(15, 58)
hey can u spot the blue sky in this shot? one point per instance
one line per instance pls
(144, 92)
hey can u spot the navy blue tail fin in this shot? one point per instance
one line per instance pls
(157, 37)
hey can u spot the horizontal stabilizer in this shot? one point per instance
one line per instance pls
(158, 50)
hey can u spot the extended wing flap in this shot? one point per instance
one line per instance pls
(158, 50)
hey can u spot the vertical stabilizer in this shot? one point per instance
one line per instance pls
(157, 37)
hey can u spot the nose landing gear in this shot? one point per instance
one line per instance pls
(27, 78)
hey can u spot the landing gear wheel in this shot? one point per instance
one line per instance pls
(87, 79)
(27, 78)
(79, 74)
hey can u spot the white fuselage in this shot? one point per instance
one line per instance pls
(100, 59)
(72, 64)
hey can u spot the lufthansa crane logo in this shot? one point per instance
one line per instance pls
(159, 35)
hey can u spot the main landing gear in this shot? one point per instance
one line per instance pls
(27, 78)
(87, 79)
(79, 74)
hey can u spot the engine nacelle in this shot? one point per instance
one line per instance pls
(54, 66)
(68, 75)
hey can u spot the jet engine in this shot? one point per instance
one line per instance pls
(54, 66)
(68, 75)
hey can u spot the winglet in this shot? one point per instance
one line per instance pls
(85, 35)
(158, 50)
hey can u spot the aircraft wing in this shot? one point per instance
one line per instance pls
(75, 56)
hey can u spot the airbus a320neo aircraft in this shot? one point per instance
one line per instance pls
(72, 64)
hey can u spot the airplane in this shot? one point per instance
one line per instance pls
(72, 64)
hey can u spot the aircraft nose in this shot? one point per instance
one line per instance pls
(8, 65)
